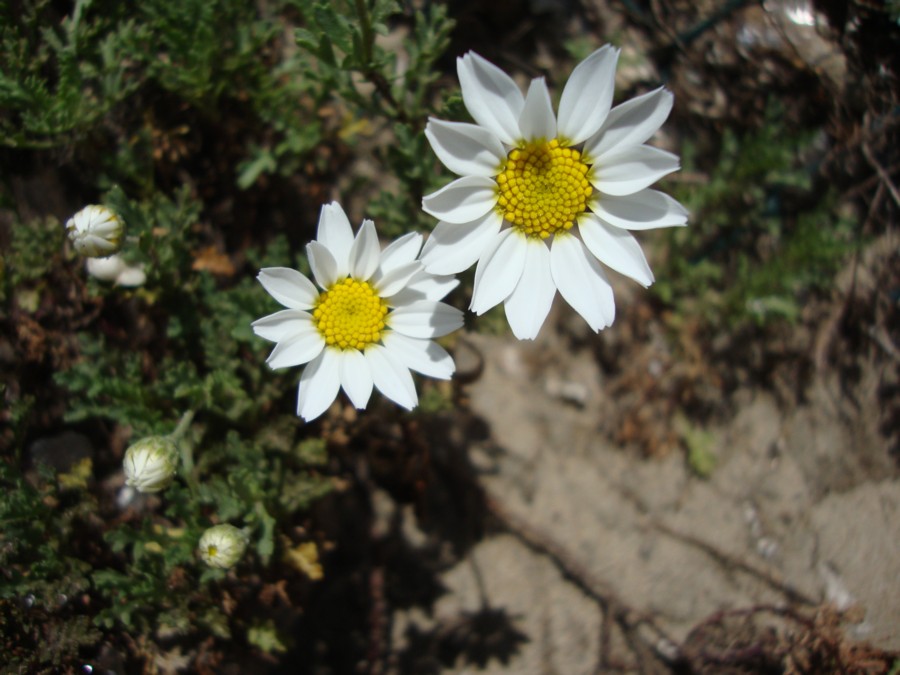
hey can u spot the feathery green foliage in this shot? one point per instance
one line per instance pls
(129, 94)
(760, 234)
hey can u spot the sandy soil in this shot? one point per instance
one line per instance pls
(605, 557)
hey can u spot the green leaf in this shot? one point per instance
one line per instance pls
(334, 25)
(265, 546)
(325, 51)
(250, 170)
(265, 637)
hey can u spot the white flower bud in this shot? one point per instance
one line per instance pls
(95, 231)
(222, 546)
(116, 270)
(106, 269)
(150, 464)
(131, 277)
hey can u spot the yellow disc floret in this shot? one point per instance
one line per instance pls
(350, 315)
(543, 187)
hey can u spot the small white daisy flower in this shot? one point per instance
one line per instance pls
(222, 546)
(150, 464)
(529, 177)
(371, 324)
(95, 231)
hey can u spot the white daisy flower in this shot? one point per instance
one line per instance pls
(222, 546)
(543, 199)
(95, 231)
(371, 324)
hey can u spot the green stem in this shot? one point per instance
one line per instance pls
(382, 86)
(365, 23)
(186, 449)
(183, 424)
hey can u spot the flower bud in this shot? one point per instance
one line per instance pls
(222, 546)
(131, 277)
(150, 464)
(95, 231)
(116, 270)
(106, 269)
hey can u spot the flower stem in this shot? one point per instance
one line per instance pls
(374, 76)
(186, 449)
(365, 23)
(183, 424)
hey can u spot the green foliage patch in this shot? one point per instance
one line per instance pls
(127, 93)
(761, 234)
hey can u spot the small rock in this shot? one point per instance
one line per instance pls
(62, 451)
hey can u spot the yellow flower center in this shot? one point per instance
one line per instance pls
(543, 187)
(212, 550)
(350, 315)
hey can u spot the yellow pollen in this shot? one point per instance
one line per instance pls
(211, 550)
(350, 315)
(543, 188)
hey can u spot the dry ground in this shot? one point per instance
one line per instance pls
(602, 559)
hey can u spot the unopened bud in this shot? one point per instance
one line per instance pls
(116, 270)
(222, 546)
(150, 464)
(95, 231)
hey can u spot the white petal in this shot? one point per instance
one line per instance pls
(582, 282)
(490, 95)
(465, 149)
(319, 384)
(92, 245)
(277, 326)
(498, 270)
(644, 210)
(397, 279)
(631, 123)
(289, 287)
(356, 377)
(454, 247)
(425, 319)
(399, 252)
(615, 248)
(537, 120)
(588, 95)
(424, 286)
(463, 200)
(299, 348)
(322, 264)
(391, 377)
(336, 234)
(624, 172)
(423, 356)
(106, 228)
(528, 305)
(365, 253)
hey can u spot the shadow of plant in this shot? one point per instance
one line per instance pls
(471, 639)
(412, 508)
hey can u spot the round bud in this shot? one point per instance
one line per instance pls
(150, 464)
(222, 546)
(95, 231)
(116, 270)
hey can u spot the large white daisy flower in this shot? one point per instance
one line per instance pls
(370, 325)
(529, 177)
